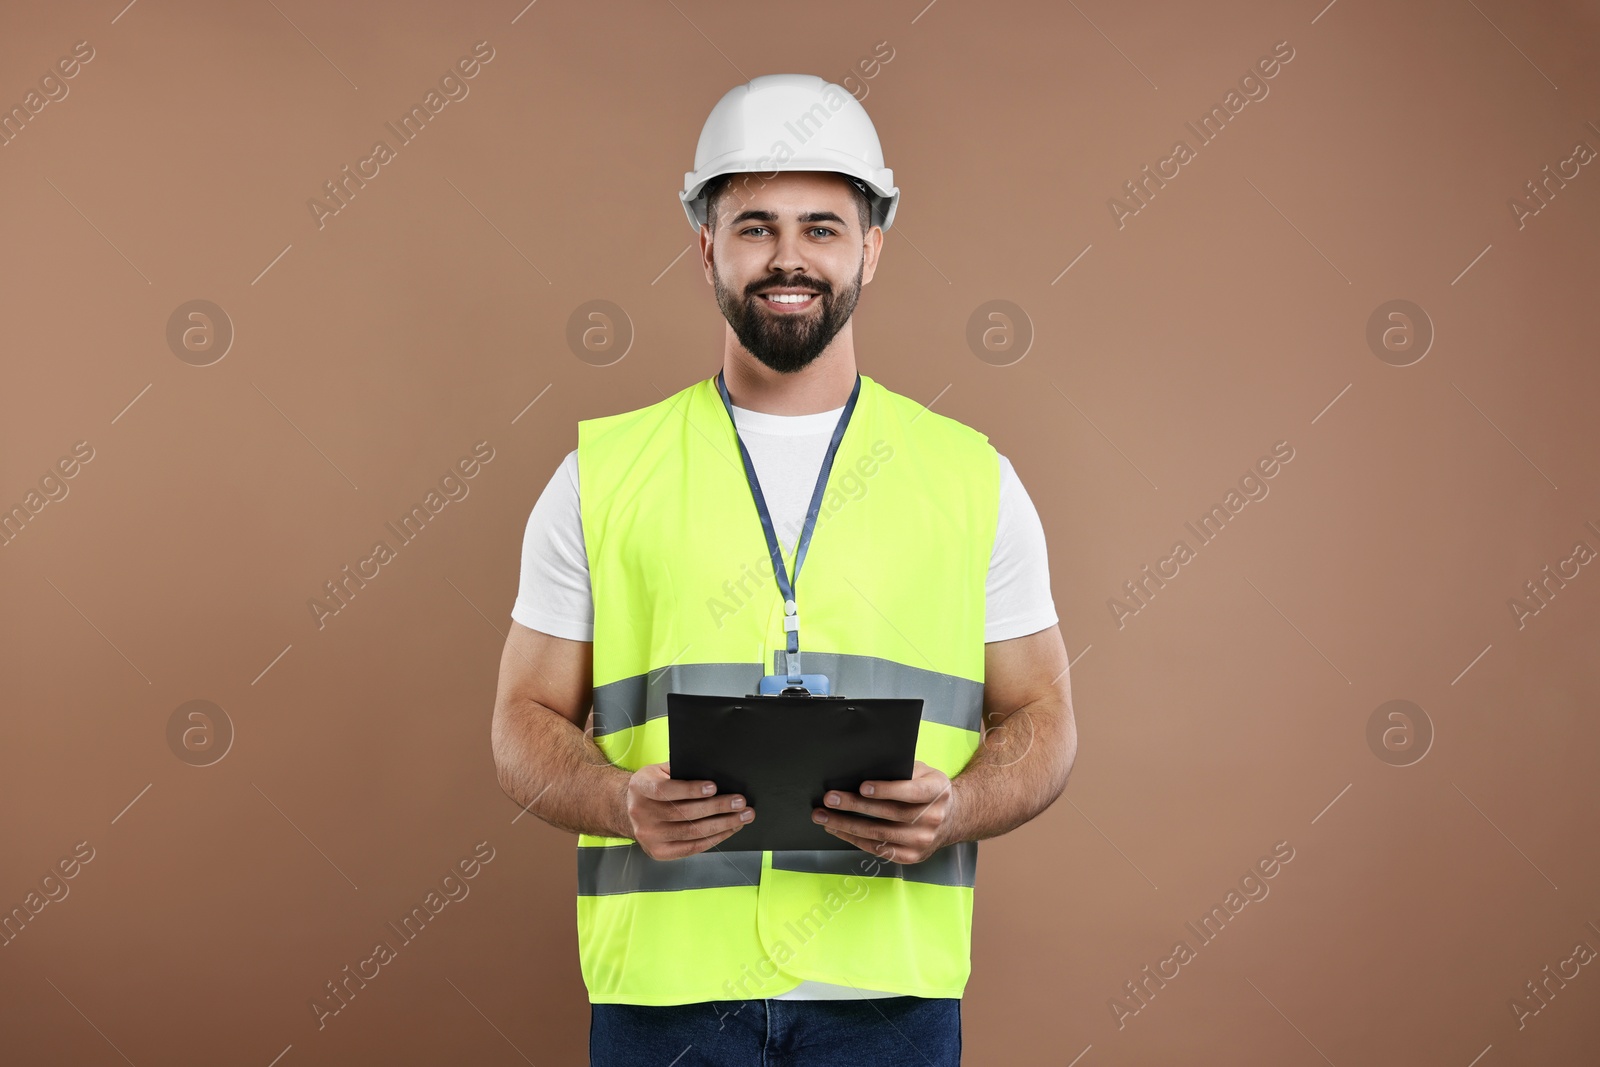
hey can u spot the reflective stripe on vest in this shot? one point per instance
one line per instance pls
(685, 601)
(947, 699)
(607, 869)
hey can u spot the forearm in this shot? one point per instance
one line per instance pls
(1018, 771)
(551, 769)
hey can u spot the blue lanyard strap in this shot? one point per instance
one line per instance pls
(791, 612)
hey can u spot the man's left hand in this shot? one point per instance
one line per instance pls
(909, 820)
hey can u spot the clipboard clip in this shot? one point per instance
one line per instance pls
(808, 685)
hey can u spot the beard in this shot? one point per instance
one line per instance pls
(787, 341)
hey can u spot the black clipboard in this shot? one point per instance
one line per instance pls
(782, 753)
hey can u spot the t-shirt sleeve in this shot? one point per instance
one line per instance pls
(553, 596)
(1018, 600)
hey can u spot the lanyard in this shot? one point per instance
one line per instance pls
(791, 613)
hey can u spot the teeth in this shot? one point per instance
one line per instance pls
(789, 298)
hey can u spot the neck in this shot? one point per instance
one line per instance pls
(823, 385)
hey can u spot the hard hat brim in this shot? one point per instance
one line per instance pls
(885, 196)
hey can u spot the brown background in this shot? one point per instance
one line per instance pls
(1231, 313)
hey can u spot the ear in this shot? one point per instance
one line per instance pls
(706, 252)
(872, 247)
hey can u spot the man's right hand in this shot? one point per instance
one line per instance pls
(671, 819)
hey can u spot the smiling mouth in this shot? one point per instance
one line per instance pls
(788, 302)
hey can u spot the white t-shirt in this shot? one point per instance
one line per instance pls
(554, 596)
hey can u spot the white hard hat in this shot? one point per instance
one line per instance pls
(786, 122)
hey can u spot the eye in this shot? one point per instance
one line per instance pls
(821, 229)
(747, 230)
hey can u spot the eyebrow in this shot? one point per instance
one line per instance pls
(772, 216)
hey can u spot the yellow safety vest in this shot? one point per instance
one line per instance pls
(685, 600)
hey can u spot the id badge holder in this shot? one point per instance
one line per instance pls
(784, 684)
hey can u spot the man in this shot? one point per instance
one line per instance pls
(926, 575)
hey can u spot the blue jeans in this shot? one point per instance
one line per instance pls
(884, 1031)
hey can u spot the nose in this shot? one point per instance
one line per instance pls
(788, 255)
